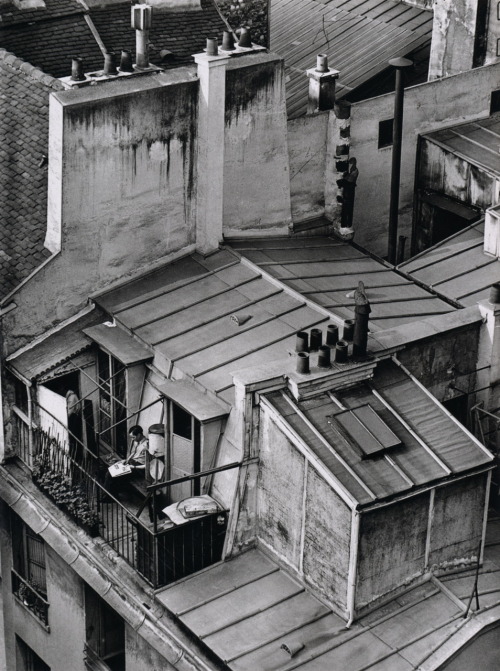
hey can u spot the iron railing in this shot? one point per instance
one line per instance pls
(22, 434)
(161, 555)
(30, 597)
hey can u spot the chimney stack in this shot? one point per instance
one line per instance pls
(77, 74)
(362, 311)
(141, 21)
(321, 86)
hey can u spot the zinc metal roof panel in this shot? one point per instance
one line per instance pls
(319, 449)
(465, 283)
(188, 318)
(446, 439)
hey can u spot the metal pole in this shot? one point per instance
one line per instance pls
(397, 132)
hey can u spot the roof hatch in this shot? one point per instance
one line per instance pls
(368, 430)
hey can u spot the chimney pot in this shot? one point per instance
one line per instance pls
(316, 339)
(126, 61)
(303, 363)
(77, 74)
(332, 335)
(302, 343)
(227, 41)
(212, 47)
(341, 349)
(321, 63)
(324, 357)
(110, 64)
(348, 330)
(245, 39)
(495, 293)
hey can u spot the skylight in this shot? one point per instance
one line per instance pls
(368, 430)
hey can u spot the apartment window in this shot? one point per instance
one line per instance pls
(105, 634)
(112, 402)
(29, 580)
(495, 101)
(385, 130)
(20, 395)
(27, 659)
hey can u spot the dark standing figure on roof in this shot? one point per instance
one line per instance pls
(349, 187)
(75, 427)
(362, 311)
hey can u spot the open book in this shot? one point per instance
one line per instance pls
(120, 468)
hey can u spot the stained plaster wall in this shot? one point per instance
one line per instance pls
(307, 141)
(140, 655)
(455, 538)
(256, 172)
(62, 647)
(391, 551)
(447, 358)
(429, 106)
(300, 517)
(121, 194)
(453, 36)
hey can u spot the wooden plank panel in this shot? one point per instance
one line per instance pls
(215, 581)
(243, 602)
(261, 628)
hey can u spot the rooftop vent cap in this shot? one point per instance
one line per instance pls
(239, 318)
(292, 648)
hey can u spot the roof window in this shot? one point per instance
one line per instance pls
(368, 430)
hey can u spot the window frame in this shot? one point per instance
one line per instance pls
(113, 390)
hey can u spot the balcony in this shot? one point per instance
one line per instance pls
(28, 594)
(132, 524)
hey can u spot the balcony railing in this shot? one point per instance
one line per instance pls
(22, 433)
(30, 597)
(161, 555)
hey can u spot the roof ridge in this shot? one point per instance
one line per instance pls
(31, 71)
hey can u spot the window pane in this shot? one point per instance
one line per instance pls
(181, 422)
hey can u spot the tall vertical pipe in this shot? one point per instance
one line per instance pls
(399, 64)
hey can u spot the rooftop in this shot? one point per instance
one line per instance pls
(327, 270)
(48, 37)
(477, 142)
(430, 444)
(417, 630)
(359, 37)
(457, 267)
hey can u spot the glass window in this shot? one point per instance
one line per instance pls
(112, 402)
(27, 659)
(385, 129)
(182, 425)
(105, 631)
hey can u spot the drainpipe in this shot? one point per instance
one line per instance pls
(353, 568)
(399, 64)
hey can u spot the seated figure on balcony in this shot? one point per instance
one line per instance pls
(136, 460)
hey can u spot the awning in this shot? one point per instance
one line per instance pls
(55, 349)
(119, 344)
(198, 404)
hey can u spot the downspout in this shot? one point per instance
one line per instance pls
(353, 567)
(397, 135)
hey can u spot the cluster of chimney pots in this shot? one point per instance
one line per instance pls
(352, 344)
(141, 21)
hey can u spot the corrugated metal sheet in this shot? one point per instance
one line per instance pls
(327, 271)
(476, 142)
(359, 37)
(440, 447)
(457, 267)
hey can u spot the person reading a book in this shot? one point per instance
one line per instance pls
(131, 468)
